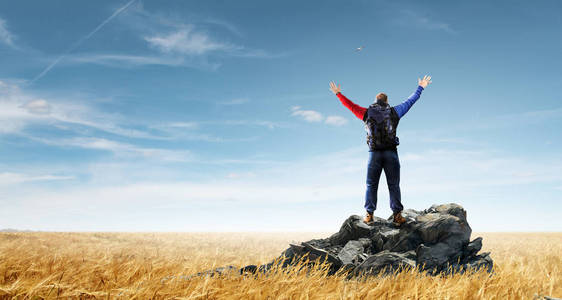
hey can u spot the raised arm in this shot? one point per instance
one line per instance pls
(402, 108)
(357, 110)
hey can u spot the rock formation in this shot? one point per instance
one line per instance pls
(435, 240)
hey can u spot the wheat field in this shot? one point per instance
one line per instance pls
(37, 265)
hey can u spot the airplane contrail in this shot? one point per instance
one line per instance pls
(80, 41)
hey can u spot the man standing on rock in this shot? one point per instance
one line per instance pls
(381, 121)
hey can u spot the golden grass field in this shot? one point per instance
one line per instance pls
(36, 265)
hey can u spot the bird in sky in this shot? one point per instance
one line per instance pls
(359, 49)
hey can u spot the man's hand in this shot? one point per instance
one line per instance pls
(425, 81)
(335, 89)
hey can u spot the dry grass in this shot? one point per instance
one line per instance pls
(154, 265)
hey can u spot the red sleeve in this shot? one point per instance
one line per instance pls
(357, 110)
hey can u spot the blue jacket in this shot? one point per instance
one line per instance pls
(404, 107)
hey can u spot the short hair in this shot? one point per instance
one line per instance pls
(382, 96)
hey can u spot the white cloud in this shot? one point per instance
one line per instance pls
(315, 116)
(39, 106)
(416, 19)
(171, 35)
(336, 120)
(6, 37)
(187, 41)
(127, 61)
(186, 130)
(14, 114)
(8, 178)
(182, 125)
(121, 149)
(307, 115)
(19, 109)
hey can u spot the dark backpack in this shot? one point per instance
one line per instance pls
(381, 121)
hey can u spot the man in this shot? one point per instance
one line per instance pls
(381, 121)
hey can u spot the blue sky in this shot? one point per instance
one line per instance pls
(216, 115)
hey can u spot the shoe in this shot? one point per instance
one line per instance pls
(368, 218)
(398, 219)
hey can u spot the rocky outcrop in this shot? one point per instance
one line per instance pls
(435, 240)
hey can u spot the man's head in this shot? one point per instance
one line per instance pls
(382, 97)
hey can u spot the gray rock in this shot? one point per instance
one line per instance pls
(450, 209)
(436, 239)
(482, 261)
(377, 243)
(350, 253)
(317, 253)
(353, 228)
(386, 262)
(437, 227)
(389, 234)
(445, 234)
(473, 247)
(435, 257)
(405, 241)
(410, 255)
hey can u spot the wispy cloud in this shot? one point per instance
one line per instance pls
(19, 109)
(6, 37)
(169, 42)
(81, 40)
(503, 120)
(307, 115)
(315, 116)
(531, 116)
(8, 178)
(129, 61)
(235, 101)
(419, 20)
(39, 106)
(224, 24)
(173, 37)
(180, 125)
(187, 41)
(174, 126)
(471, 177)
(336, 120)
(121, 149)
(268, 124)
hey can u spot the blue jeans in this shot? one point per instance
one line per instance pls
(386, 160)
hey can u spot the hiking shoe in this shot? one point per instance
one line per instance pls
(368, 218)
(398, 219)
